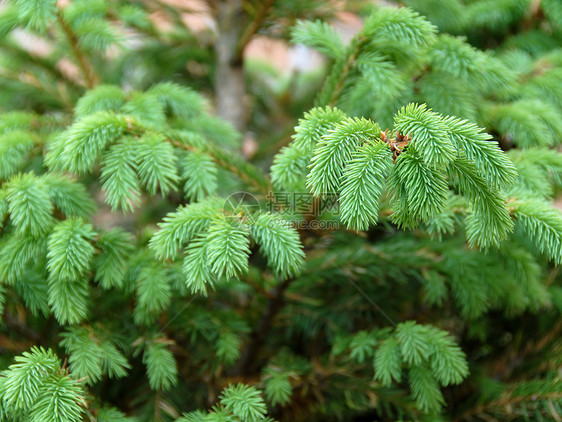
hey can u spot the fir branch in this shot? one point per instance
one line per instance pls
(279, 243)
(319, 35)
(235, 164)
(244, 402)
(24, 379)
(196, 267)
(363, 183)
(428, 133)
(100, 98)
(157, 166)
(335, 150)
(88, 72)
(180, 227)
(21, 327)
(516, 395)
(543, 224)
(254, 26)
(59, 401)
(200, 175)
(227, 247)
(119, 176)
(331, 92)
(160, 364)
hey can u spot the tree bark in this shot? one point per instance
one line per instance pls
(230, 85)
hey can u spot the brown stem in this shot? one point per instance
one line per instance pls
(339, 72)
(468, 415)
(237, 165)
(252, 29)
(260, 183)
(345, 71)
(90, 76)
(246, 365)
(13, 322)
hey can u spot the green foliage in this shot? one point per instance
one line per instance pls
(37, 13)
(115, 246)
(196, 267)
(278, 389)
(431, 355)
(68, 300)
(36, 384)
(542, 224)
(363, 183)
(200, 175)
(405, 240)
(320, 36)
(157, 164)
(478, 148)
(403, 26)
(15, 147)
(101, 98)
(179, 227)
(69, 250)
(69, 257)
(228, 248)
(244, 402)
(334, 150)
(290, 163)
(29, 205)
(80, 146)
(16, 254)
(530, 123)
(69, 196)
(160, 364)
(90, 357)
(119, 176)
(347, 161)
(24, 378)
(110, 414)
(153, 292)
(279, 243)
(388, 362)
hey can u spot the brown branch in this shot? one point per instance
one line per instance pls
(15, 323)
(468, 415)
(246, 365)
(345, 71)
(262, 186)
(339, 72)
(252, 29)
(90, 76)
(246, 171)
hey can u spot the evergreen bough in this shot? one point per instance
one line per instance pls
(149, 269)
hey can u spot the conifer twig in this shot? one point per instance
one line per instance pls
(20, 327)
(505, 401)
(335, 81)
(245, 171)
(90, 76)
(252, 29)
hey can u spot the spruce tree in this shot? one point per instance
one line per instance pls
(389, 252)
